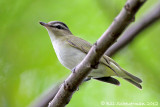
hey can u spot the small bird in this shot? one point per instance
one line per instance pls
(71, 50)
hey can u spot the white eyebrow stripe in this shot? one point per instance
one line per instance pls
(56, 24)
(61, 23)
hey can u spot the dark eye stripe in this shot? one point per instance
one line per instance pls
(62, 24)
(59, 25)
(65, 25)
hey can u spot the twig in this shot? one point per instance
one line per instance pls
(45, 98)
(91, 60)
(152, 16)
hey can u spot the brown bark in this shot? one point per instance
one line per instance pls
(129, 34)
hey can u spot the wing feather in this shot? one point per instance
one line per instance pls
(79, 43)
(84, 46)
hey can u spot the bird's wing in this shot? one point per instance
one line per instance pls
(79, 43)
(84, 46)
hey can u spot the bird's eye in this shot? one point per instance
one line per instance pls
(59, 27)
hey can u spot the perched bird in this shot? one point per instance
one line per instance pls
(71, 50)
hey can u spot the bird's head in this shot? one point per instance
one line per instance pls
(56, 28)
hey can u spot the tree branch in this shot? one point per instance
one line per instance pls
(45, 98)
(152, 16)
(91, 60)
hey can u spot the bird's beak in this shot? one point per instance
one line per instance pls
(44, 24)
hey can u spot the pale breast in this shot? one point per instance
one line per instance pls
(68, 55)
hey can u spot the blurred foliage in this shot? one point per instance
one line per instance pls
(29, 66)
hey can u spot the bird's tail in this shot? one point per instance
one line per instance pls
(132, 79)
(124, 74)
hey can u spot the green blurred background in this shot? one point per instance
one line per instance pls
(29, 66)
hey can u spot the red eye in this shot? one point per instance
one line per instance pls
(59, 27)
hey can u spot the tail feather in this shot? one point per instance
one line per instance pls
(108, 80)
(124, 74)
(134, 83)
(132, 77)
